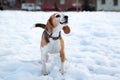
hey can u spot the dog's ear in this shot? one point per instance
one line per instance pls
(66, 29)
(49, 25)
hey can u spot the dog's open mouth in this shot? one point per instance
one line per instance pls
(65, 22)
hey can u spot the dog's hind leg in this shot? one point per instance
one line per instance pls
(44, 58)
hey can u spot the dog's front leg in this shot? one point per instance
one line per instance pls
(62, 56)
(44, 62)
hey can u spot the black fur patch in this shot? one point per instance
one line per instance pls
(40, 25)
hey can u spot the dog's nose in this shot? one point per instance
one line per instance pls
(66, 17)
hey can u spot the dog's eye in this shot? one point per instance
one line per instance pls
(57, 16)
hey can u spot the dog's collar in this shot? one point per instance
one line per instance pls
(47, 36)
(55, 38)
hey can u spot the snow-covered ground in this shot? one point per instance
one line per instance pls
(92, 48)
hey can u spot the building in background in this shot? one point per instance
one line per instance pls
(14, 4)
(64, 5)
(108, 5)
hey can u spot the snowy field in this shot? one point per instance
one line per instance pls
(92, 48)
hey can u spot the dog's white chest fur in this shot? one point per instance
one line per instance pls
(53, 46)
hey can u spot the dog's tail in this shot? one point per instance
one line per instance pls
(40, 25)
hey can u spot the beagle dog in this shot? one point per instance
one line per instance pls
(52, 41)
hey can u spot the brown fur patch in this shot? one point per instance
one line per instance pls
(66, 29)
(62, 53)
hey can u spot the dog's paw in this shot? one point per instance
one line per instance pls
(61, 71)
(45, 72)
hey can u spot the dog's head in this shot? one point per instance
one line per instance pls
(58, 20)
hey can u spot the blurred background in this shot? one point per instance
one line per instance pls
(60, 5)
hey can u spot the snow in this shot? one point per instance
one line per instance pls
(92, 48)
